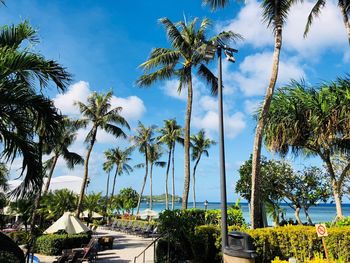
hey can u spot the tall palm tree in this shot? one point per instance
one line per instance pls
(185, 55)
(274, 15)
(60, 148)
(154, 154)
(200, 145)
(170, 133)
(21, 69)
(313, 122)
(98, 112)
(120, 159)
(142, 140)
(344, 6)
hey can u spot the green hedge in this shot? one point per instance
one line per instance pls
(134, 223)
(53, 244)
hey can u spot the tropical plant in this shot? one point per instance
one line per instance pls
(98, 113)
(93, 202)
(344, 6)
(170, 133)
(274, 15)
(21, 69)
(60, 148)
(185, 55)
(54, 204)
(142, 140)
(4, 173)
(154, 154)
(313, 122)
(200, 145)
(129, 199)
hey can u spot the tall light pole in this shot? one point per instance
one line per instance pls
(210, 53)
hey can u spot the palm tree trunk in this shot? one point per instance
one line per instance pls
(194, 181)
(166, 180)
(50, 174)
(114, 180)
(150, 183)
(173, 178)
(144, 183)
(86, 172)
(187, 130)
(107, 189)
(345, 20)
(256, 218)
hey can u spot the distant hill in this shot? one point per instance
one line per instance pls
(160, 198)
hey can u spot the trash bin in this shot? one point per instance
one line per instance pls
(240, 248)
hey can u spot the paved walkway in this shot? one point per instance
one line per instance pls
(125, 248)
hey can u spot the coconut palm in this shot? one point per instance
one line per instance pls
(60, 149)
(142, 140)
(98, 113)
(93, 202)
(200, 145)
(21, 108)
(274, 15)
(185, 55)
(344, 6)
(169, 135)
(154, 154)
(313, 122)
(120, 159)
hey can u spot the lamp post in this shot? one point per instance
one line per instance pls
(210, 51)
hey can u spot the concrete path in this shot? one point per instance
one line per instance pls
(125, 248)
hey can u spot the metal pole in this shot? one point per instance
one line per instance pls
(222, 157)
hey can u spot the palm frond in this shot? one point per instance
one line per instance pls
(315, 12)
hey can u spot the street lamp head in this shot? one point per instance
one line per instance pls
(210, 51)
(229, 56)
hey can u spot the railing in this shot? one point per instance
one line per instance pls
(153, 243)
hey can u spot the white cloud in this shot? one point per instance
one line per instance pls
(234, 124)
(254, 73)
(77, 92)
(251, 106)
(133, 106)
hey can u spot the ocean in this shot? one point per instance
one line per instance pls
(319, 214)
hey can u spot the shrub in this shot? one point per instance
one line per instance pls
(343, 222)
(20, 237)
(53, 244)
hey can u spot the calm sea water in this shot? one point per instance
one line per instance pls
(320, 213)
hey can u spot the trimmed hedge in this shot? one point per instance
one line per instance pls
(140, 223)
(53, 244)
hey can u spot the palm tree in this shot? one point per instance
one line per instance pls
(142, 140)
(200, 145)
(169, 135)
(93, 203)
(274, 15)
(98, 113)
(21, 108)
(60, 148)
(311, 122)
(154, 154)
(344, 6)
(120, 159)
(187, 54)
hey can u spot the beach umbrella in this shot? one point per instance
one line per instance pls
(85, 214)
(148, 213)
(69, 223)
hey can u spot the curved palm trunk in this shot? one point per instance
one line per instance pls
(256, 217)
(107, 190)
(50, 174)
(187, 130)
(173, 178)
(114, 180)
(144, 183)
(150, 183)
(86, 172)
(166, 180)
(194, 181)
(345, 20)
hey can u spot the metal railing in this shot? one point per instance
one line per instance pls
(153, 243)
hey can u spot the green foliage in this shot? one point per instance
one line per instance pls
(20, 237)
(53, 244)
(128, 198)
(343, 222)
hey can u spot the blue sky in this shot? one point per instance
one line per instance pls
(102, 43)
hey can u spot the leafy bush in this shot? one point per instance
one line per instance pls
(53, 244)
(343, 222)
(20, 237)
